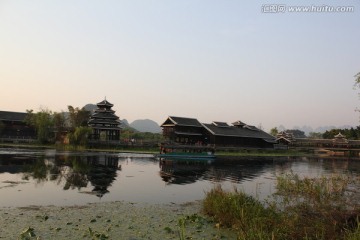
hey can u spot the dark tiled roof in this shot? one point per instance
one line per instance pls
(107, 127)
(12, 116)
(232, 131)
(182, 121)
(109, 115)
(238, 123)
(221, 124)
(104, 121)
(100, 110)
(104, 103)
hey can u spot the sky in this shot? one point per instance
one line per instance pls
(214, 60)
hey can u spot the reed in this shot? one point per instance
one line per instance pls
(241, 212)
(301, 208)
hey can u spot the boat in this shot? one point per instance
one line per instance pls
(186, 152)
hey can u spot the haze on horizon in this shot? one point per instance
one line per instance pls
(211, 60)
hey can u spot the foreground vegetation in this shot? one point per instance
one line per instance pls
(302, 208)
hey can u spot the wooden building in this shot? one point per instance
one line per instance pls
(220, 134)
(183, 130)
(13, 126)
(238, 135)
(340, 139)
(284, 139)
(105, 124)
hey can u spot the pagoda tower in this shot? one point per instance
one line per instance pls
(104, 123)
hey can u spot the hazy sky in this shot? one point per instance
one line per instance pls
(222, 60)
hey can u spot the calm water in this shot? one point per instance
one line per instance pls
(51, 177)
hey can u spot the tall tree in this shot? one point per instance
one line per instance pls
(78, 117)
(43, 123)
(357, 83)
(357, 79)
(59, 124)
(274, 131)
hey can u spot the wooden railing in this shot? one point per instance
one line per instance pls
(17, 139)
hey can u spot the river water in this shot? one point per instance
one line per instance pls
(38, 177)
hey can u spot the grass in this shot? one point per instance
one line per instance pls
(301, 208)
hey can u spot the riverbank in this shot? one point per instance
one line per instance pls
(130, 149)
(114, 220)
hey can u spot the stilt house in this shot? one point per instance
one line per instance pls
(190, 131)
(105, 124)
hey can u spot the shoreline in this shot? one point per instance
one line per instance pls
(221, 154)
(235, 155)
(111, 220)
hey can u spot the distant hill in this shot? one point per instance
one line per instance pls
(146, 125)
(125, 125)
(308, 129)
(141, 125)
(90, 107)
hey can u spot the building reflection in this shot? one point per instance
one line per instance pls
(13, 163)
(189, 171)
(95, 173)
(182, 171)
(73, 172)
(238, 169)
(102, 173)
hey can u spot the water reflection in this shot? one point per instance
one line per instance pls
(238, 170)
(187, 171)
(68, 178)
(15, 163)
(102, 173)
(74, 172)
(181, 171)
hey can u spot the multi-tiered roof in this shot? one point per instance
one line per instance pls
(104, 117)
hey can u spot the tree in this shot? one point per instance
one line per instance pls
(297, 133)
(357, 79)
(315, 135)
(42, 122)
(357, 83)
(274, 131)
(59, 124)
(351, 133)
(78, 117)
(80, 136)
(330, 134)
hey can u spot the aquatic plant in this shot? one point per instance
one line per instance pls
(97, 235)
(181, 223)
(301, 208)
(241, 212)
(194, 219)
(27, 234)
